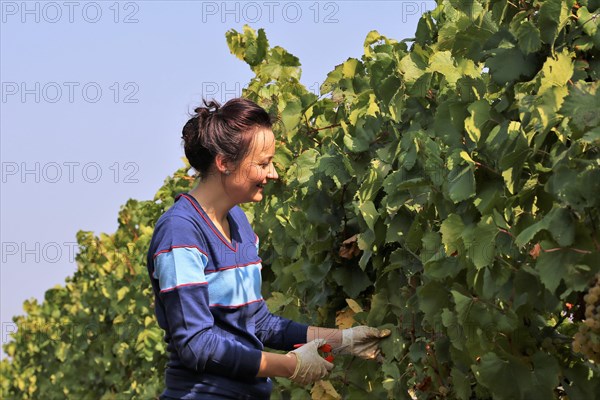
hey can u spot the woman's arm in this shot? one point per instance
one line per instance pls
(273, 364)
(332, 336)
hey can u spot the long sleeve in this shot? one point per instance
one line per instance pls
(179, 269)
(277, 332)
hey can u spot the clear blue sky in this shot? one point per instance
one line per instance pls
(94, 96)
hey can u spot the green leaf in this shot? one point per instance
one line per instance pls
(445, 268)
(588, 21)
(401, 180)
(513, 156)
(449, 122)
(350, 67)
(472, 9)
(558, 222)
(461, 383)
(576, 188)
(463, 305)
(488, 196)
(417, 352)
(277, 301)
(369, 213)
(528, 36)
(582, 382)
(582, 105)
(443, 63)
(592, 137)
(302, 167)
(454, 328)
(480, 115)
(392, 346)
(505, 378)
(557, 72)
(545, 376)
(257, 49)
(494, 278)
(371, 185)
(366, 105)
(398, 226)
(452, 229)
(431, 241)
(425, 29)
(412, 66)
(433, 296)
(422, 86)
(548, 19)
(461, 184)
(379, 308)
(333, 166)
(372, 37)
(248, 46)
(291, 115)
(521, 66)
(480, 242)
(122, 292)
(352, 280)
(553, 266)
(358, 138)
(280, 65)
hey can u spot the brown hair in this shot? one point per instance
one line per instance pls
(227, 130)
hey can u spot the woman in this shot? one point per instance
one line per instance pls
(205, 271)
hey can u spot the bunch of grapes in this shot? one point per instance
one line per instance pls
(587, 340)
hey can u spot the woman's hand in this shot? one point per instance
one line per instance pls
(310, 366)
(362, 341)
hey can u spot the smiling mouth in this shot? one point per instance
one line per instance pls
(261, 186)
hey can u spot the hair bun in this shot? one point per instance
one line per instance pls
(211, 107)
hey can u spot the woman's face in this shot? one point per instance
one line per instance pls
(246, 182)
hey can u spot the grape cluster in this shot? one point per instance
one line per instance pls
(587, 340)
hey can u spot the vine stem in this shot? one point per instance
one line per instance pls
(566, 248)
(309, 132)
(488, 168)
(344, 210)
(436, 367)
(312, 130)
(594, 231)
(592, 17)
(507, 232)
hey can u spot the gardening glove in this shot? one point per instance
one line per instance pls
(362, 341)
(310, 366)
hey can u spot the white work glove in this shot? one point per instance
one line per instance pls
(362, 341)
(310, 366)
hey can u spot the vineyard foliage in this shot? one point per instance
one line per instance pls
(446, 186)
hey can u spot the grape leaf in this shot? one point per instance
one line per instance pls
(582, 104)
(528, 36)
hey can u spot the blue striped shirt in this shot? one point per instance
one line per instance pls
(208, 301)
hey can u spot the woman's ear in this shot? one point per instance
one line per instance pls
(222, 164)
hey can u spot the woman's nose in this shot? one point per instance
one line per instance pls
(272, 173)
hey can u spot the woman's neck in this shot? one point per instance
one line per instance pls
(213, 200)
